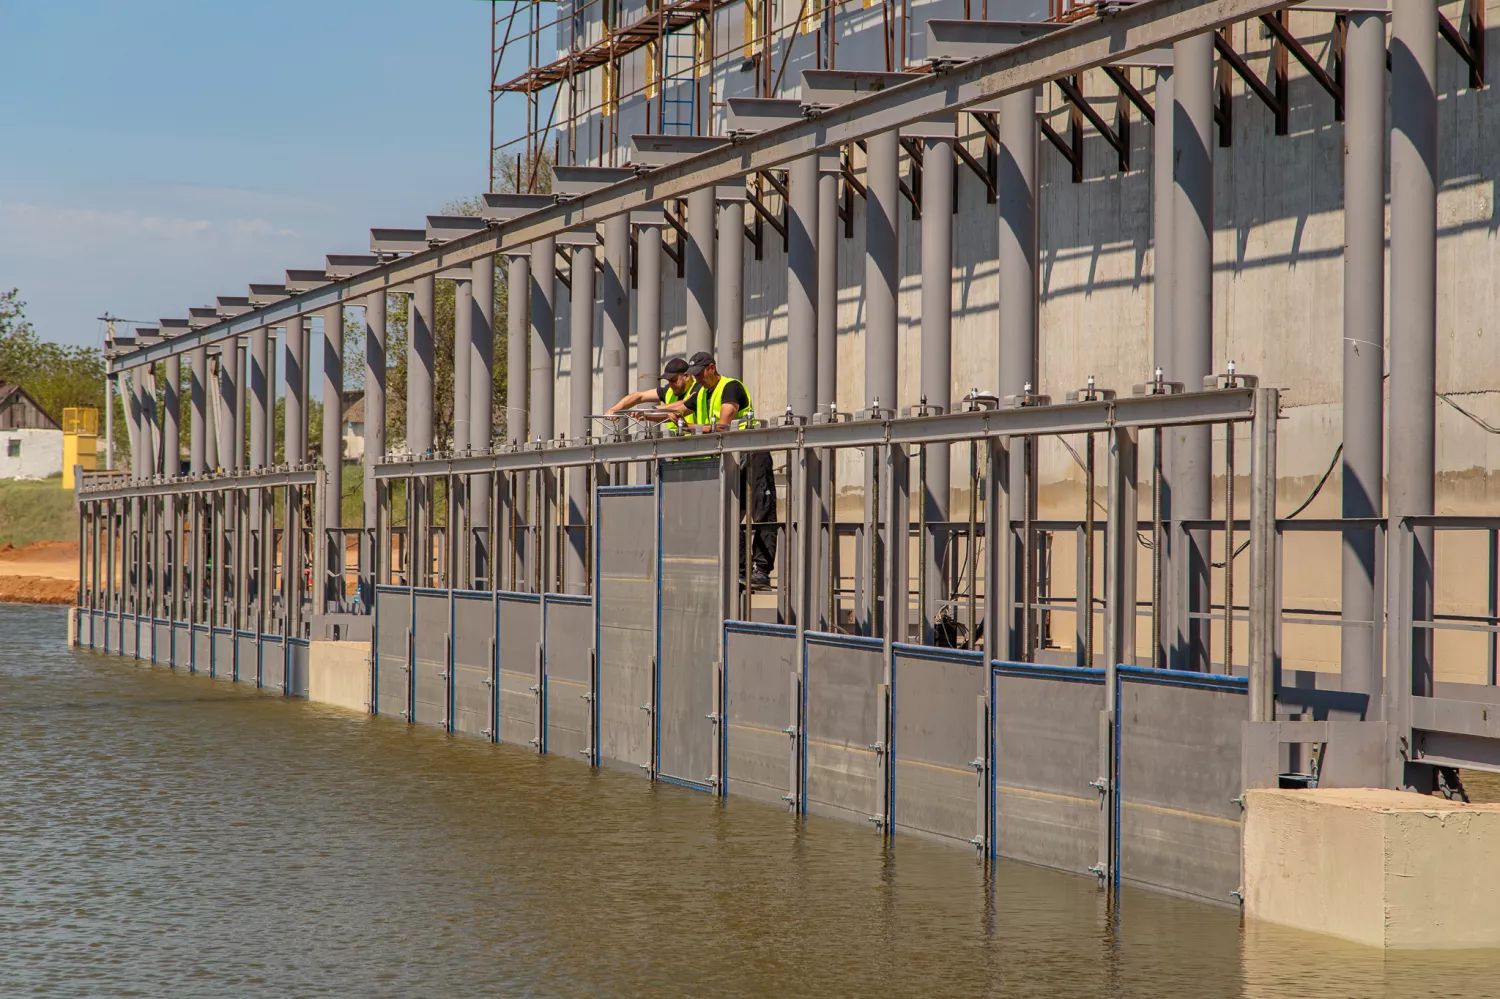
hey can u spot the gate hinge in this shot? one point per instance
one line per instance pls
(647, 708)
(877, 748)
(487, 732)
(1238, 801)
(713, 717)
(1101, 785)
(977, 764)
(488, 682)
(1236, 894)
(534, 688)
(587, 697)
(443, 675)
(879, 821)
(1100, 870)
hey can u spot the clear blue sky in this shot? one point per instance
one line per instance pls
(160, 152)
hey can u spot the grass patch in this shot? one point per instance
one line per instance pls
(36, 511)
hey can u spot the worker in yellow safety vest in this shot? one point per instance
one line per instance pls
(673, 400)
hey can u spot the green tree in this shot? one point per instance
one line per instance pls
(55, 375)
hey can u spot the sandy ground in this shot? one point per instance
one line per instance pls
(43, 572)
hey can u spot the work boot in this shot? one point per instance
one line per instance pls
(760, 578)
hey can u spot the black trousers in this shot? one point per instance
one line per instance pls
(758, 497)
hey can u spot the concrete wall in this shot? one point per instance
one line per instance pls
(339, 674)
(41, 454)
(1380, 868)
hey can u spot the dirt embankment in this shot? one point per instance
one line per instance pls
(43, 572)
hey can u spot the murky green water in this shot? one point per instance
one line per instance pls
(163, 835)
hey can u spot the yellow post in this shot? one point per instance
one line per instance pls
(80, 442)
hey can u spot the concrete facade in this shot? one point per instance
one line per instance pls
(30, 454)
(1382, 868)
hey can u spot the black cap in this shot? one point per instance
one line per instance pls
(676, 366)
(699, 361)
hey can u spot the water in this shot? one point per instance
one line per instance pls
(165, 835)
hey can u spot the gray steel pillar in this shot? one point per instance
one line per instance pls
(419, 367)
(375, 371)
(698, 271)
(828, 287)
(616, 296)
(882, 269)
(135, 413)
(937, 309)
(543, 338)
(1413, 335)
(198, 418)
(482, 377)
(171, 418)
(110, 391)
(294, 370)
(1017, 253)
(1364, 343)
(802, 289)
(463, 362)
(1163, 192)
(1193, 94)
(260, 355)
(730, 351)
(580, 405)
(517, 333)
(648, 360)
(241, 385)
(333, 419)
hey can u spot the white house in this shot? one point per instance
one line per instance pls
(31, 442)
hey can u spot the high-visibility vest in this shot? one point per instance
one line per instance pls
(669, 396)
(710, 404)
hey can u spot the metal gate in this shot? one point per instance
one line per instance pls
(688, 636)
(761, 683)
(846, 707)
(393, 651)
(474, 663)
(624, 623)
(431, 619)
(940, 722)
(520, 696)
(567, 621)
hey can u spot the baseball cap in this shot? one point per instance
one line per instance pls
(676, 366)
(699, 361)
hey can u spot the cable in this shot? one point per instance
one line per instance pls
(1485, 426)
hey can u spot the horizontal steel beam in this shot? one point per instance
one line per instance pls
(1088, 44)
(1230, 405)
(271, 479)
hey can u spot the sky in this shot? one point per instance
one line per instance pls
(157, 153)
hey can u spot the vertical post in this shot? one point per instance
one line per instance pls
(615, 378)
(463, 362)
(198, 417)
(882, 264)
(1164, 616)
(375, 371)
(730, 297)
(517, 334)
(481, 410)
(543, 337)
(802, 296)
(698, 271)
(1120, 542)
(1413, 349)
(171, 418)
(333, 438)
(580, 405)
(294, 370)
(937, 351)
(999, 572)
(648, 361)
(1364, 343)
(1264, 572)
(260, 347)
(237, 385)
(109, 421)
(419, 367)
(1192, 314)
(828, 284)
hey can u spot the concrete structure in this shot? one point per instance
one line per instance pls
(1380, 868)
(31, 442)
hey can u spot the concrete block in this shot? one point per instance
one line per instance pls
(1383, 868)
(338, 673)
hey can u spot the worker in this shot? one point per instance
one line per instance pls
(723, 403)
(680, 389)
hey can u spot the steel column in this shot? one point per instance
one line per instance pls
(420, 367)
(237, 384)
(730, 296)
(260, 389)
(135, 413)
(1413, 336)
(375, 370)
(171, 418)
(294, 372)
(543, 338)
(481, 409)
(828, 292)
(517, 334)
(463, 362)
(1364, 344)
(615, 340)
(882, 269)
(802, 289)
(1192, 316)
(580, 405)
(937, 353)
(1162, 339)
(698, 270)
(648, 360)
(198, 431)
(333, 419)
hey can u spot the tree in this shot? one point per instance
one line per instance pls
(56, 376)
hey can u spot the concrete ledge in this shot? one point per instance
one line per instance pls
(338, 673)
(1387, 869)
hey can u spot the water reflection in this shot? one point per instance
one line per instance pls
(164, 835)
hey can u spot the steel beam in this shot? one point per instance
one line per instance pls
(1087, 44)
(1363, 347)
